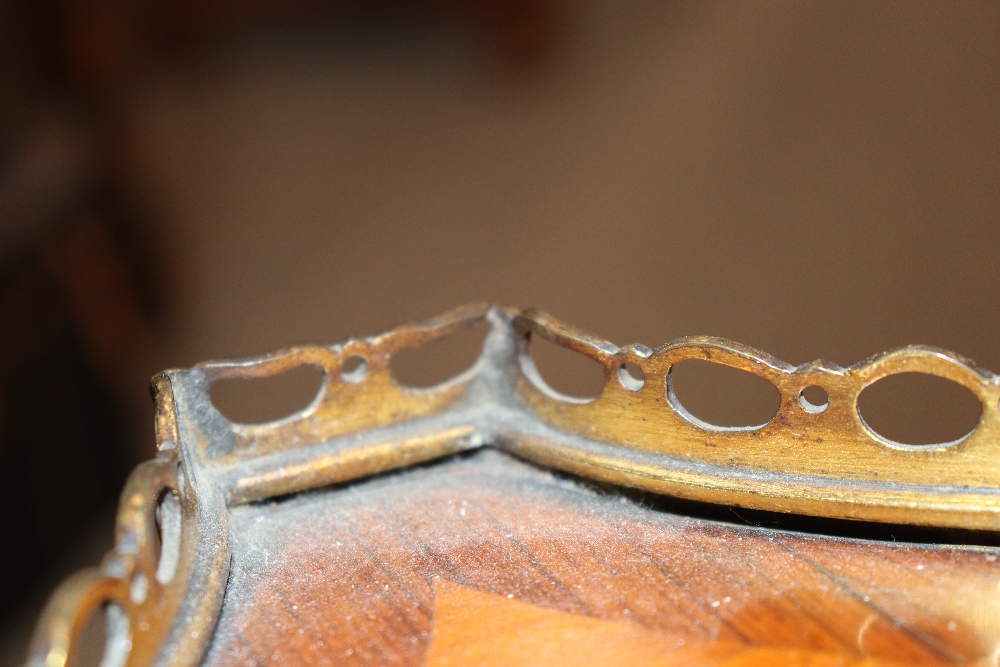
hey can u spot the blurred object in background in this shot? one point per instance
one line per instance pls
(74, 344)
(186, 180)
(84, 277)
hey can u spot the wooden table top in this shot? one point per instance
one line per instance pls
(487, 560)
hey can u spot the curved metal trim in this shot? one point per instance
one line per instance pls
(824, 463)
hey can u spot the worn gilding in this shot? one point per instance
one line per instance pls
(824, 463)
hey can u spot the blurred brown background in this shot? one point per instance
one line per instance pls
(180, 181)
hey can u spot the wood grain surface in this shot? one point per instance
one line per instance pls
(488, 560)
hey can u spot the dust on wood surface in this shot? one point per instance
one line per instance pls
(554, 573)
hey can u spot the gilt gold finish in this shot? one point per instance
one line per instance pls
(826, 463)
